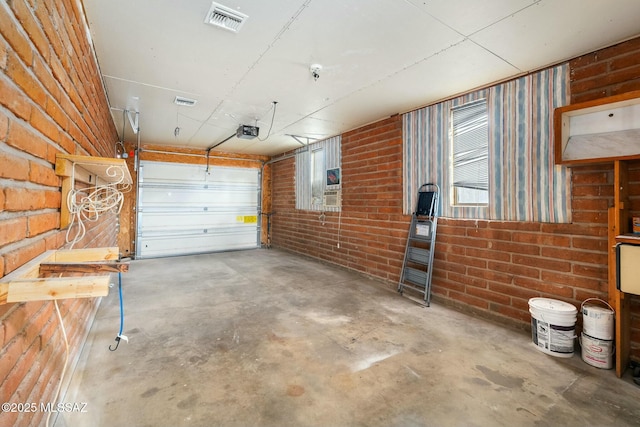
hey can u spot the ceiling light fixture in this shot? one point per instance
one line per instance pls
(225, 17)
(185, 102)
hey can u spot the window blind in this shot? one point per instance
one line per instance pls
(471, 146)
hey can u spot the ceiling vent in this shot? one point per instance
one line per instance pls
(185, 102)
(225, 17)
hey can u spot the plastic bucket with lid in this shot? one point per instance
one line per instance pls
(553, 326)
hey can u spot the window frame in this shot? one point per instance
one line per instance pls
(473, 125)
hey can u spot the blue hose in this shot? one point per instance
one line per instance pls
(120, 336)
(121, 304)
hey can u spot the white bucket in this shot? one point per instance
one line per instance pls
(597, 352)
(553, 325)
(597, 322)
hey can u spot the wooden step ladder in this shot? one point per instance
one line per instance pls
(417, 266)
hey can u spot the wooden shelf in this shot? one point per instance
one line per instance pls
(28, 284)
(598, 131)
(92, 171)
(633, 239)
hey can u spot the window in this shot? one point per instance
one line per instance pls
(317, 171)
(470, 154)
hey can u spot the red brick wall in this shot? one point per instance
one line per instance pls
(489, 267)
(371, 229)
(51, 101)
(606, 72)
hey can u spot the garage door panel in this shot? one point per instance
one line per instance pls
(158, 233)
(183, 210)
(232, 176)
(197, 220)
(171, 245)
(173, 173)
(176, 197)
(180, 173)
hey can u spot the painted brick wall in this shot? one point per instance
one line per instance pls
(51, 101)
(488, 267)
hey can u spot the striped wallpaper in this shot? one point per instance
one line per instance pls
(332, 158)
(524, 182)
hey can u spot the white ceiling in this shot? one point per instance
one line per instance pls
(378, 57)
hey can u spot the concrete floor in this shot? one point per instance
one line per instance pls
(267, 338)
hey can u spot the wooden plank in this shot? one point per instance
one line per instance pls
(619, 224)
(633, 239)
(65, 214)
(4, 292)
(28, 274)
(106, 168)
(58, 288)
(65, 168)
(48, 268)
(30, 269)
(88, 254)
(83, 267)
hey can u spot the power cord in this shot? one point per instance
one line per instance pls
(95, 201)
(273, 116)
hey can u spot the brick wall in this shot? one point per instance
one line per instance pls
(488, 267)
(606, 72)
(497, 266)
(51, 101)
(371, 230)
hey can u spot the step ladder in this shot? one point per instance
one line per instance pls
(417, 266)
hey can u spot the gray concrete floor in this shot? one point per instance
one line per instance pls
(267, 338)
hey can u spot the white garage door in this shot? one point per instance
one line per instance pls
(183, 209)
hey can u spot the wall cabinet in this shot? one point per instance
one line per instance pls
(602, 130)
